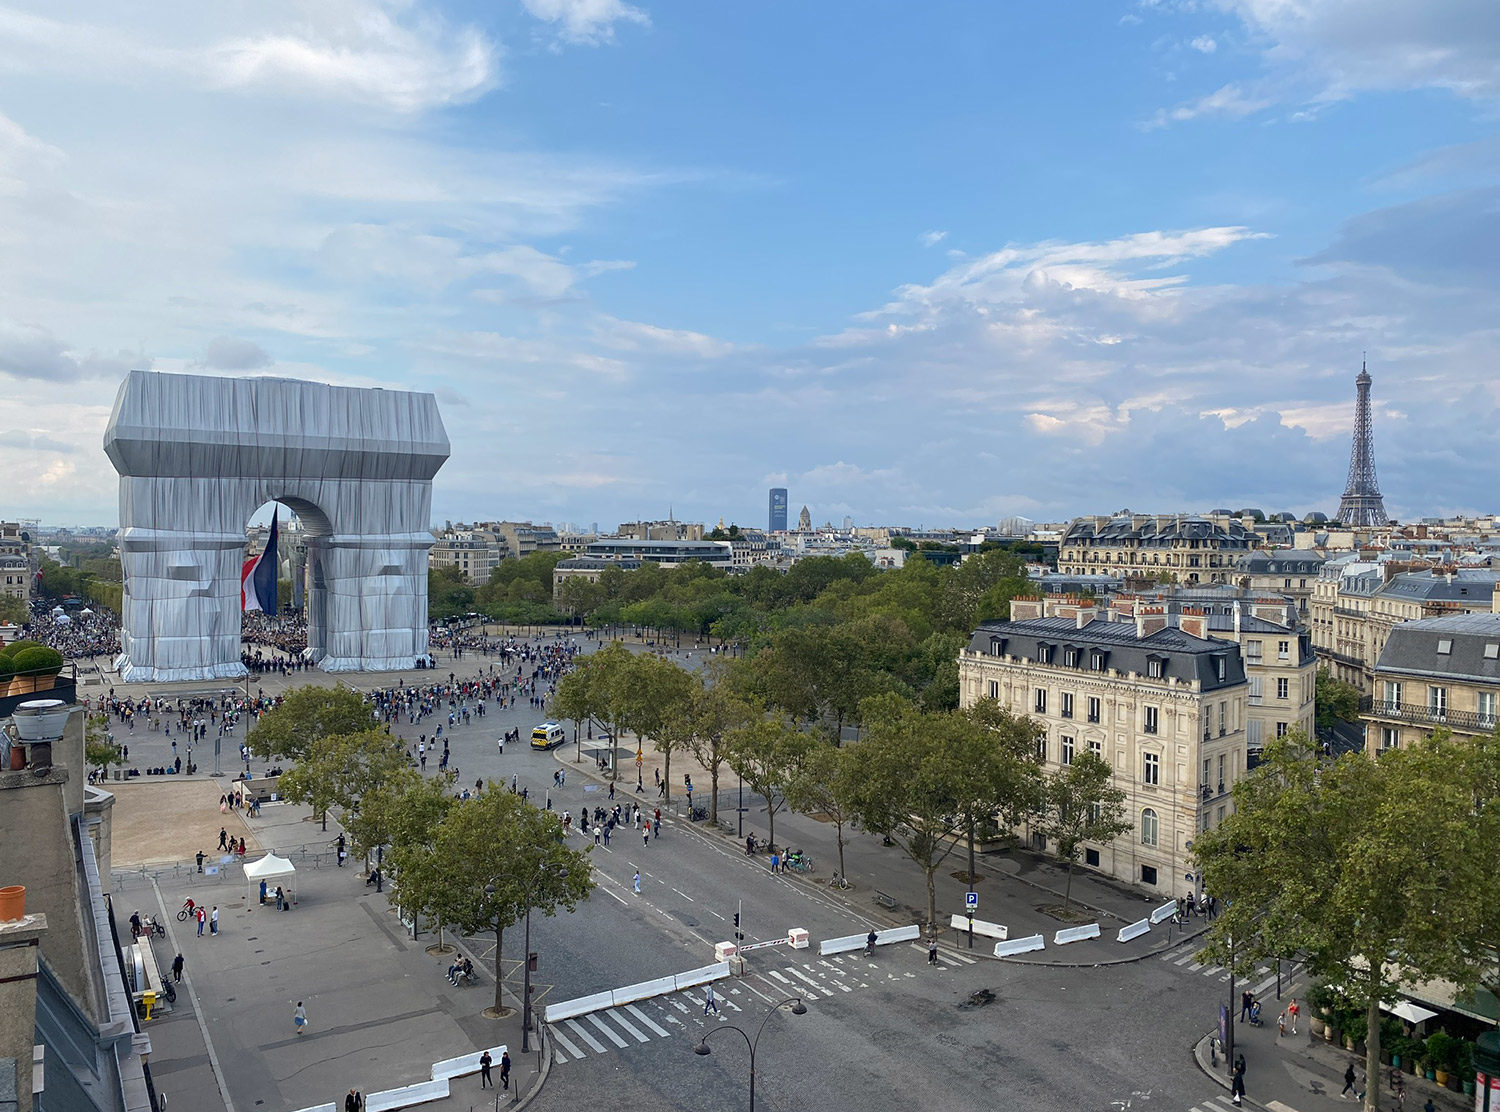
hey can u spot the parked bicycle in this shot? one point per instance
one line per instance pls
(152, 929)
(799, 862)
(839, 881)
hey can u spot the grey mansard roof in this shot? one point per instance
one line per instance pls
(1293, 562)
(1412, 648)
(1147, 534)
(1468, 586)
(1185, 657)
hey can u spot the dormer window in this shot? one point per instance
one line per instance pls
(1221, 667)
(1445, 646)
(997, 646)
(1043, 653)
(1097, 659)
(1070, 657)
(1156, 667)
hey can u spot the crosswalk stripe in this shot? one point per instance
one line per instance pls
(803, 976)
(1185, 957)
(778, 976)
(609, 1033)
(644, 1018)
(628, 1027)
(567, 1044)
(1267, 983)
(577, 1029)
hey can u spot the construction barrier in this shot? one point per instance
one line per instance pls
(1164, 912)
(882, 938)
(1020, 945)
(989, 930)
(1134, 930)
(582, 1005)
(1075, 934)
(406, 1096)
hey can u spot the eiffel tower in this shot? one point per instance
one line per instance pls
(1362, 504)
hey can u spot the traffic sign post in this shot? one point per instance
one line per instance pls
(971, 904)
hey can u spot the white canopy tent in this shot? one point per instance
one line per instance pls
(273, 870)
(1405, 1009)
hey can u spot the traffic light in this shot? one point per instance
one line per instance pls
(739, 935)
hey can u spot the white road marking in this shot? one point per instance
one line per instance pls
(684, 895)
(577, 1029)
(644, 1018)
(629, 1029)
(809, 980)
(564, 1042)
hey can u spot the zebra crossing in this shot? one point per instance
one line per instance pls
(1220, 1103)
(681, 1014)
(1183, 958)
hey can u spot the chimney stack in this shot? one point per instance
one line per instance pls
(1149, 619)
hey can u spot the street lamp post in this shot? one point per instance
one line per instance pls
(526, 989)
(797, 1008)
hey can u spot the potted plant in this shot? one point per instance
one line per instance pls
(1439, 1048)
(1425, 1066)
(35, 668)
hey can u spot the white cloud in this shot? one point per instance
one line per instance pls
(1229, 101)
(1204, 44)
(586, 21)
(636, 336)
(931, 239)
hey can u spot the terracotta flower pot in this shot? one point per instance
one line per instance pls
(12, 902)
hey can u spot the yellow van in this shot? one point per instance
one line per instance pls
(549, 735)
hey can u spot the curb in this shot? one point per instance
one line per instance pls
(541, 1078)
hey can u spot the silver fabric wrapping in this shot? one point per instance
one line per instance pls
(197, 456)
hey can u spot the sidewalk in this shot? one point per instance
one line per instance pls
(1012, 887)
(1300, 1073)
(381, 1011)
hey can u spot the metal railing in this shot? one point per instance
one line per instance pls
(1424, 713)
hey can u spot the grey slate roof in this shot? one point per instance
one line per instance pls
(1185, 657)
(1295, 562)
(1412, 648)
(1470, 586)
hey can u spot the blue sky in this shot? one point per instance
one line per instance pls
(925, 264)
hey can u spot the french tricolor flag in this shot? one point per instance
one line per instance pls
(258, 578)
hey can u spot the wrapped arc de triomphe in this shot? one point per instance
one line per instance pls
(198, 455)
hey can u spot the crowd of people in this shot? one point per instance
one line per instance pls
(274, 645)
(80, 634)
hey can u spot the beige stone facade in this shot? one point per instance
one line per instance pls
(1181, 548)
(1164, 705)
(1436, 672)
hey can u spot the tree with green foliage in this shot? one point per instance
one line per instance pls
(651, 696)
(1081, 804)
(14, 611)
(306, 715)
(767, 754)
(926, 779)
(339, 769)
(718, 709)
(378, 820)
(99, 747)
(490, 858)
(448, 592)
(824, 784)
(1374, 871)
(1336, 701)
(594, 690)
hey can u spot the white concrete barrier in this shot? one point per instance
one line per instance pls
(882, 938)
(1075, 934)
(723, 951)
(406, 1096)
(581, 1005)
(716, 972)
(1020, 945)
(989, 930)
(645, 990)
(466, 1064)
(1134, 930)
(797, 938)
(320, 1108)
(1164, 912)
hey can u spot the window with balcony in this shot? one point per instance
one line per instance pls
(1485, 708)
(1393, 695)
(1149, 725)
(1149, 825)
(1221, 774)
(1066, 706)
(1223, 719)
(1093, 714)
(1437, 702)
(1041, 700)
(1151, 769)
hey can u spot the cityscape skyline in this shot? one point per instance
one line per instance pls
(1072, 261)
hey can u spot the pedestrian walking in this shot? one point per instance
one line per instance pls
(505, 1069)
(1245, 1001)
(775, 861)
(213, 921)
(656, 829)
(598, 833)
(177, 969)
(646, 836)
(223, 838)
(1348, 1080)
(200, 860)
(299, 1018)
(932, 958)
(638, 882)
(709, 1003)
(484, 1070)
(1292, 1011)
(1238, 1086)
